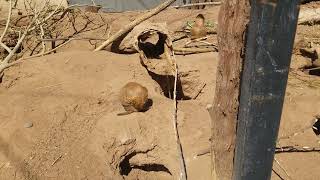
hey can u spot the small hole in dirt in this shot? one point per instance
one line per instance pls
(316, 126)
(152, 45)
(312, 70)
(126, 167)
(167, 86)
(306, 1)
(147, 105)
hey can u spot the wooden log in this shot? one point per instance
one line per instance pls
(233, 19)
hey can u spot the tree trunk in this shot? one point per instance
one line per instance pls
(232, 22)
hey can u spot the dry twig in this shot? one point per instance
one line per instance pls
(292, 149)
(185, 51)
(278, 174)
(6, 29)
(73, 38)
(5, 63)
(198, 4)
(34, 56)
(282, 168)
(183, 172)
(56, 160)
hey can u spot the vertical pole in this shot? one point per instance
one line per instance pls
(269, 46)
(232, 21)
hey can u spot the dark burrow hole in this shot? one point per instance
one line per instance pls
(126, 167)
(306, 1)
(312, 70)
(152, 45)
(167, 86)
(316, 126)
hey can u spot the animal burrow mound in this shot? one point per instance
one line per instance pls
(133, 160)
(153, 42)
(126, 168)
(189, 84)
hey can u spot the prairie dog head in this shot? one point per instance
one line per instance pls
(199, 20)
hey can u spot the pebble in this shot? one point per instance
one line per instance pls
(28, 125)
(209, 106)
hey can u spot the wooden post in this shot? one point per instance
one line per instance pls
(232, 22)
(268, 54)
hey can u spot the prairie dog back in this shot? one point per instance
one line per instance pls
(133, 97)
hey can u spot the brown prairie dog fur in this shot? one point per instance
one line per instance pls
(198, 30)
(133, 97)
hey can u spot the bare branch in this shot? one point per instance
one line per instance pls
(6, 28)
(282, 168)
(198, 4)
(49, 16)
(43, 43)
(34, 56)
(5, 63)
(5, 47)
(8, 21)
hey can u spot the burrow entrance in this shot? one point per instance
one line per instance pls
(166, 84)
(126, 168)
(154, 47)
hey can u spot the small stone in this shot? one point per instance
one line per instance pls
(28, 125)
(209, 106)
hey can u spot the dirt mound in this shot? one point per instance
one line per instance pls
(72, 101)
(58, 112)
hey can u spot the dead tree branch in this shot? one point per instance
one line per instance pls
(295, 149)
(198, 4)
(185, 51)
(5, 63)
(224, 111)
(39, 17)
(6, 29)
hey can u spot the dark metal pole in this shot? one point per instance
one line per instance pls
(269, 46)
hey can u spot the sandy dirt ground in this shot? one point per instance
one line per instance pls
(71, 99)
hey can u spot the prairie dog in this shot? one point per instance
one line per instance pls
(198, 30)
(133, 97)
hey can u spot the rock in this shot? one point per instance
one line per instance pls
(209, 106)
(28, 125)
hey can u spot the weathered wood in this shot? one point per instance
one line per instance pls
(233, 18)
(198, 4)
(268, 54)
